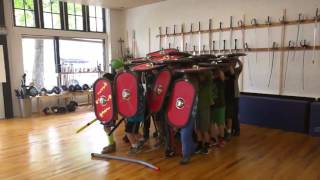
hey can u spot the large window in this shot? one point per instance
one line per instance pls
(96, 19)
(24, 13)
(51, 14)
(57, 14)
(39, 62)
(81, 67)
(75, 16)
(41, 56)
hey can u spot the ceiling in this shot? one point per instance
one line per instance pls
(116, 4)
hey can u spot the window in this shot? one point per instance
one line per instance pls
(75, 16)
(96, 19)
(24, 13)
(39, 62)
(51, 14)
(83, 64)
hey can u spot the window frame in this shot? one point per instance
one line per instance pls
(2, 18)
(36, 15)
(103, 19)
(42, 12)
(66, 16)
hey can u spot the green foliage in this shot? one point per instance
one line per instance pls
(78, 8)
(46, 5)
(29, 4)
(71, 8)
(18, 4)
(55, 6)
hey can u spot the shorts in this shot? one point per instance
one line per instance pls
(218, 115)
(132, 127)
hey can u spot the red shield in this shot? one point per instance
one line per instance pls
(181, 103)
(145, 67)
(160, 87)
(195, 69)
(161, 52)
(126, 87)
(103, 100)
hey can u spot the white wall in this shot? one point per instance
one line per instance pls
(15, 46)
(172, 12)
(117, 26)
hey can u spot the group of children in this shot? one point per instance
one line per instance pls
(213, 120)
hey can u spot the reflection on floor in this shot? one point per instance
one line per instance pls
(47, 147)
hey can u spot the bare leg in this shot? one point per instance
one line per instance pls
(221, 130)
(229, 124)
(132, 139)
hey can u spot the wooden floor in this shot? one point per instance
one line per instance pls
(48, 148)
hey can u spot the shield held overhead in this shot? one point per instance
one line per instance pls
(181, 103)
(103, 100)
(160, 87)
(126, 87)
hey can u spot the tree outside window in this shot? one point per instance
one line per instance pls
(75, 16)
(24, 13)
(51, 14)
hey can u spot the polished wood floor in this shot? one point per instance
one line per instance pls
(47, 148)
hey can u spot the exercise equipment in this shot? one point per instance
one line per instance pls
(56, 90)
(72, 106)
(71, 88)
(77, 87)
(32, 91)
(85, 87)
(43, 92)
(64, 88)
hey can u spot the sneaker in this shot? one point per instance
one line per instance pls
(236, 133)
(109, 149)
(157, 145)
(204, 150)
(141, 143)
(169, 153)
(185, 160)
(198, 149)
(213, 143)
(221, 142)
(133, 151)
(227, 136)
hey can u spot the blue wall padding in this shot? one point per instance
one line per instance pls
(273, 112)
(314, 126)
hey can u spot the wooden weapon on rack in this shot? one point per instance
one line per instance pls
(304, 45)
(274, 46)
(231, 34)
(210, 36)
(199, 38)
(290, 46)
(315, 35)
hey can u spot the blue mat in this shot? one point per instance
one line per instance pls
(314, 126)
(273, 112)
